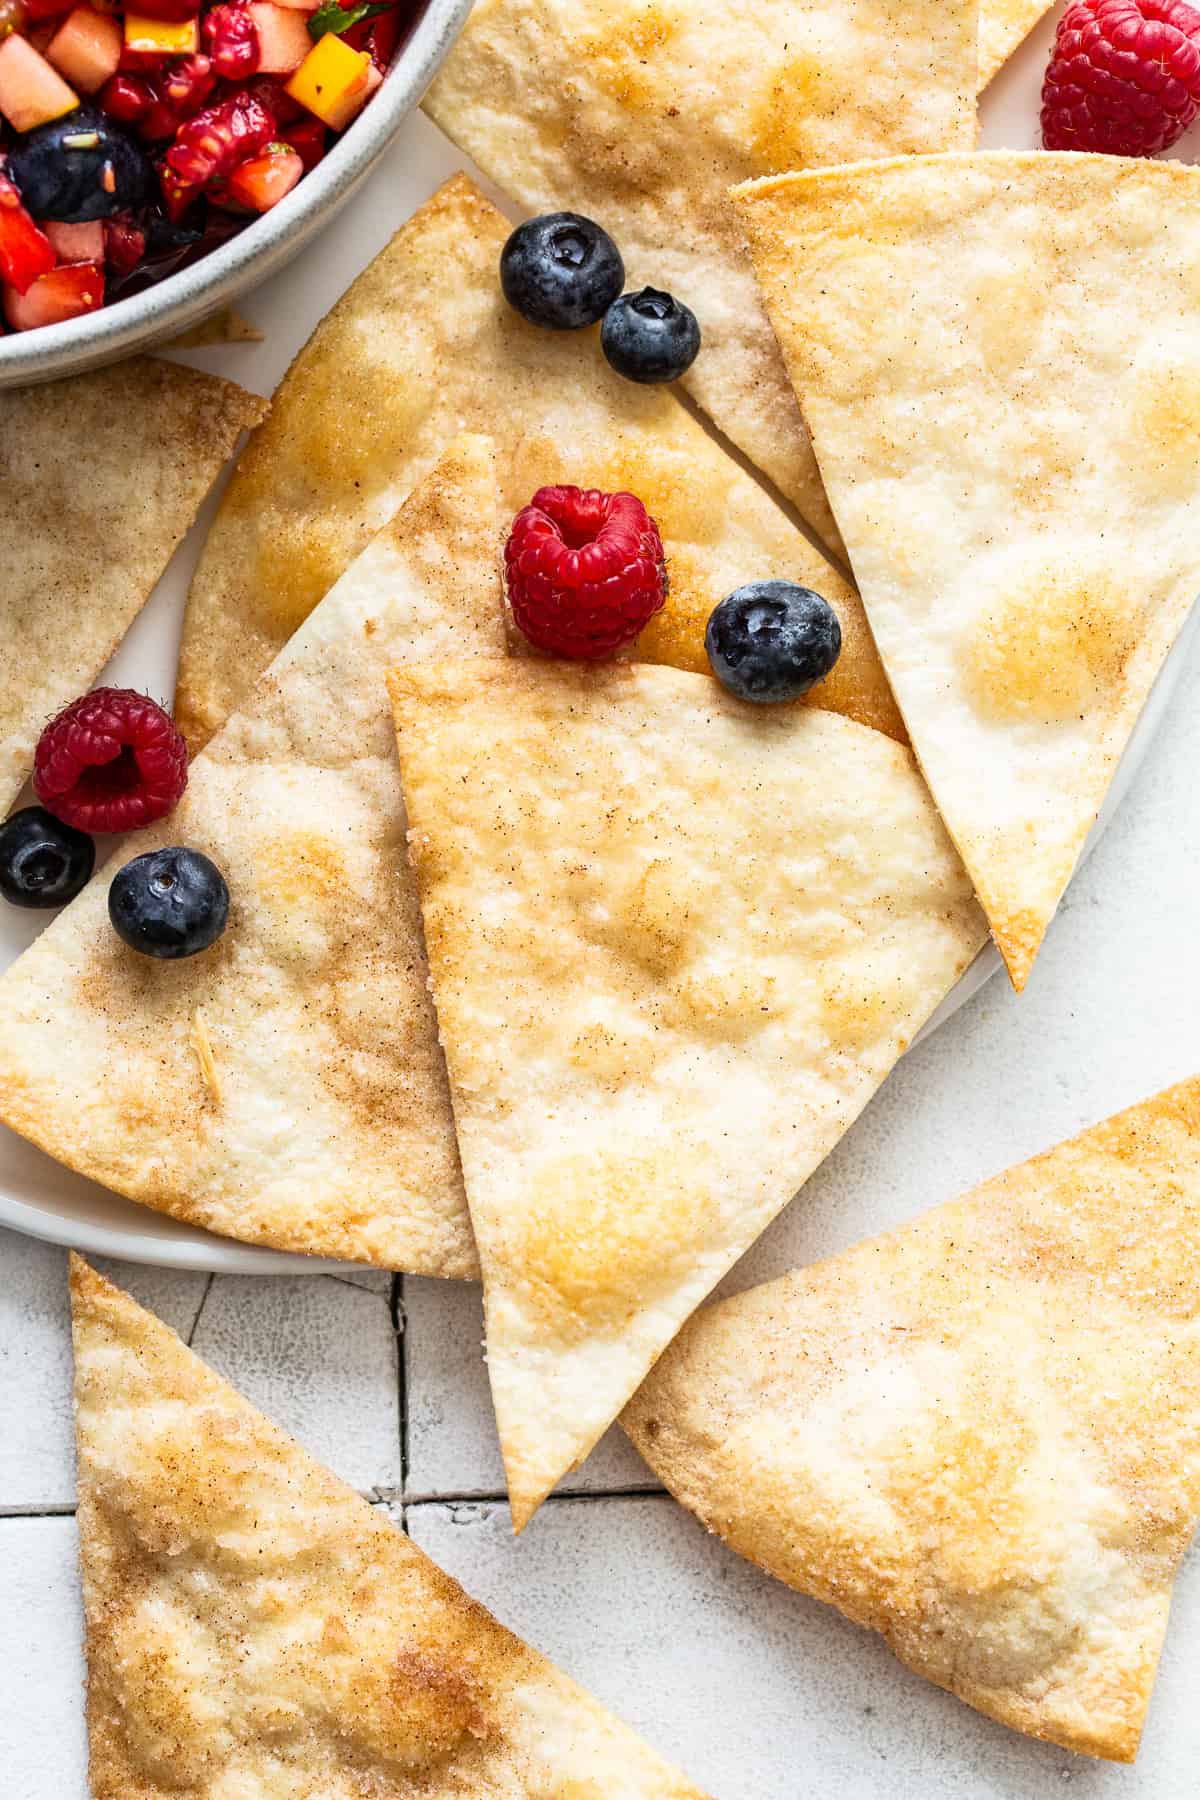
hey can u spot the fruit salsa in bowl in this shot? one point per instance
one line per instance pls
(153, 164)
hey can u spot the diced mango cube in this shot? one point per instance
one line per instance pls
(161, 37)
(333, 81)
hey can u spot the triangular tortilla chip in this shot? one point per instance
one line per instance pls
(421, 347)
(643, 113)
(978, 1435)
(1016, 476)
(676, 943)
(1003, 25)
(100, 477)
(254, 1627)
(224, 327)
(286, 1087)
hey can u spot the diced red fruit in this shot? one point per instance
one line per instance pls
(262, 181)
(378, 37)
(307, 138)
(65, 293)
(283, 40)
(127, 98)
(272, 93)
(31, 92)
(584, 571)
(111, 761)
(46, 9)
(86, 49)
(211, 145)
(178, 195)
(143, 62)
(124, 245)
(158, 103)
(76, 243)
(172, 12)
(232, 39)
(383, 37)
(25, 251)
(12, 16)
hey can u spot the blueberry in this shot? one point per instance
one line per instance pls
(42, 861)
(169, 903)
(561, 270)
(80, 167)
(772, 640)
(650, 337)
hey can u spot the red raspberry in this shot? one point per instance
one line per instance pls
(584, 571)
(210, 146)
(1124, 76)
(111, 761)
(232, 39)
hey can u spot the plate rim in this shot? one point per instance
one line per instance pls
(192, 1248)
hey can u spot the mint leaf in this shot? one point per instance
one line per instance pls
(332, 17)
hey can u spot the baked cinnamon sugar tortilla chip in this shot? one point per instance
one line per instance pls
(1017, 477)
(285, 1087)
(1003, 25)
(978, 1435)
(254, 1627)
(643, 113)
(224, 327)
(100, 477)
(421, 347)
(676, 943)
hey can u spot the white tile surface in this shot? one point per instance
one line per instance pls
(452, 1444)
(320, 1356)
(43, 1751)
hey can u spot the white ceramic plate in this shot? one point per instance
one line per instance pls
(37, 1195)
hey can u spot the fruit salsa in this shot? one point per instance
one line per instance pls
(134, 142)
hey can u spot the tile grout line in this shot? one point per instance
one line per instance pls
(400, 1327)
(190, 1339)
(65, 1510)
(497, 1497)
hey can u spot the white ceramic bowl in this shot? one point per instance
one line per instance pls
(182, 300)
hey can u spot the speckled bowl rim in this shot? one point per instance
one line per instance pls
(183, 299)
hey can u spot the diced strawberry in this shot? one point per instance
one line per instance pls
(46, 9)
(86, 48)
(283, 40)
(64, 293)
(172, 11)
(382, 38)
(31, 92)
(76, 243)
(262, 181)
(124, 244)
(270, 90)
(127, 97)
(308, 139)
(25, 252)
